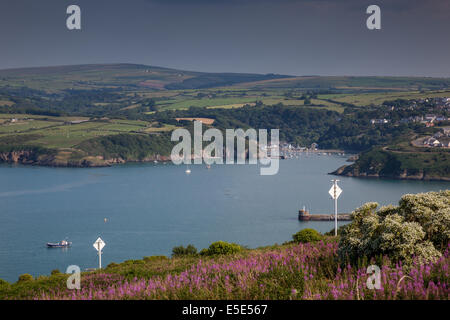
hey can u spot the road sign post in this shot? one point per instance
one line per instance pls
(98, 245)
(335, 192)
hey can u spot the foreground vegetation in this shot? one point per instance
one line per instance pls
(410, 244)
(296, 271)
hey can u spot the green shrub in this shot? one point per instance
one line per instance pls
(25, 277)
(190, 250)
(133, 262)
(307, 235)
(154, 258)
(55, 271)
(112, 265)
(221, 247)
(4, 283)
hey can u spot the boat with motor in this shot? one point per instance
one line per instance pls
(61, 244)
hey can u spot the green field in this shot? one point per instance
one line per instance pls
(364, 99)
(349, 83)
(229, 99)
(54, 132)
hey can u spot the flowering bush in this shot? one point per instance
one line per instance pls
(432, 211)
(303, 271)
(418, 227)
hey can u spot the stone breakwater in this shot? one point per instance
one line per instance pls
(304, 215)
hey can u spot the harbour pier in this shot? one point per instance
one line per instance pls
(304, 215)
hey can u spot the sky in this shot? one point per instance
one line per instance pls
(293, 37)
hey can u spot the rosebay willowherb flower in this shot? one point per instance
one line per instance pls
(311, 271)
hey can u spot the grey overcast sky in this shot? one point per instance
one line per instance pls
(297, 37)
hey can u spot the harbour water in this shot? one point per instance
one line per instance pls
(150, 208)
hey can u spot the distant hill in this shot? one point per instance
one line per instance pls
(127, 76)
(151, 78)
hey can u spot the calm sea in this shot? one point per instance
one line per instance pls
(152, 208)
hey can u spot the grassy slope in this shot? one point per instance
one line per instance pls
(75, 142)
(290, 271)
(352, 83)
(53, 132)
(130, 76)
(232, 89)
(364, 99)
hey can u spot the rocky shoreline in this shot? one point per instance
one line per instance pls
(351, 171)
(29, 157)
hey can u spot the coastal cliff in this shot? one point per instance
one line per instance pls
(98, 152)
(404, 166)
(351, 171)
(64, 159)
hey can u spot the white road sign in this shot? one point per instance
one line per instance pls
(99, 244)
(335, 193)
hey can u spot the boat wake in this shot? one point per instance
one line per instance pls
(58, 188)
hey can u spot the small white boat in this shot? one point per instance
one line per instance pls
(188, 171)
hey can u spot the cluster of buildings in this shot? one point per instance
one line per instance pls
(428, 120)
(16, 120)
(379, 121)
(431, 119)
(440, 139)
(284, 146)
(439, 102)
(440, 105)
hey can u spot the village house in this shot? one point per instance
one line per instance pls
(75, 121)
(379, 121)
(443, 142)
(412, 119)
(432, 142)
(437, 135)
(446, 131)
(314, 146)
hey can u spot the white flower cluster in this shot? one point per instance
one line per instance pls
(418, 227)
